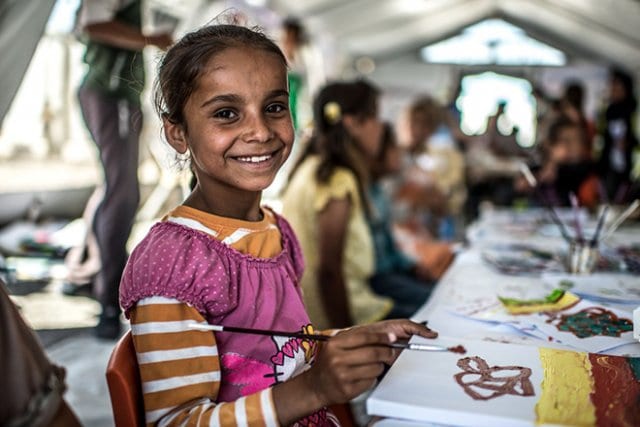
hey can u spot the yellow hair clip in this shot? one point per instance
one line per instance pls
(332, 112)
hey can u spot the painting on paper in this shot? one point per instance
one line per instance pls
(510, 385)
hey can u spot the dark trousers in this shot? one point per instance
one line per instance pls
(407, 292)
(115, 126)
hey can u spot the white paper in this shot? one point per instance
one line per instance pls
(538, 325)
(421, 387)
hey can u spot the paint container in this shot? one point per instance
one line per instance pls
(581, 258)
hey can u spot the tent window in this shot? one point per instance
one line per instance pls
(479, 97)
(493, 41)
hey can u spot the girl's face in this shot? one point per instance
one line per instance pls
(237, 126)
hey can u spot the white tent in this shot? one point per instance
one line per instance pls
(602, 30)
(593, 34)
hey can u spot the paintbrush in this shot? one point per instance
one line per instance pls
(623, 216)
(314, 337)
(603, 215)
(533, 183)
(575, 207)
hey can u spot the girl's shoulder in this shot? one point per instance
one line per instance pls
(174, 261)
(178, 262)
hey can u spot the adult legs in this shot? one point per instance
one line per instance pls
(115, 127)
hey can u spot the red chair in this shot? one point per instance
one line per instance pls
(125, 391)
(123, 379)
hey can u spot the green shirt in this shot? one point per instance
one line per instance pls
(113, 70)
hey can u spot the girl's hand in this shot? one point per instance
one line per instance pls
(346, 365)
(350, 362)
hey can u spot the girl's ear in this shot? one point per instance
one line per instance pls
(176, 135)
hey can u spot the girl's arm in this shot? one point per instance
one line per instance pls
(346, 366)
(332, 229)
(180, 371)
(125, 36)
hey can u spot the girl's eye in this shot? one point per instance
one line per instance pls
(276, 108)
(225, 114)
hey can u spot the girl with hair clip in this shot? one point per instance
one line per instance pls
(327, 205)
(221, 258)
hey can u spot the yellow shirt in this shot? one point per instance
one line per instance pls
(304, 198)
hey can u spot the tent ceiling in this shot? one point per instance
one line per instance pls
(605, 30)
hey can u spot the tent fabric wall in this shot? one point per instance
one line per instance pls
(22, 23)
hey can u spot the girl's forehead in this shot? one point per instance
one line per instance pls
(239, 68)
(233, 54)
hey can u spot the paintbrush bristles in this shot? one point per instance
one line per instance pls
(596, 235)
(623, 216)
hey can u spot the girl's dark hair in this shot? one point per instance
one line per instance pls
(185, 61)
(574, 94)
(330, 139)
(389, 141)
(296, 28)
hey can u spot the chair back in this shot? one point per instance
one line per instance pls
(125, 390)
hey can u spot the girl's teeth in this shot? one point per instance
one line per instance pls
(254, 159)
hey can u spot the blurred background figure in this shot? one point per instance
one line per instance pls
(34, 387)
(434, 181)
(572, 107)
(396, 275)
(110, 103)
(619, 140)
(566, 168)
(327, 205)
(293, 40)
(492, 160)
(306, 69)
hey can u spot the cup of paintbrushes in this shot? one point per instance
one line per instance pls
(582, 257)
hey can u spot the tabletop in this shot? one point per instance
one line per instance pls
(487, 385)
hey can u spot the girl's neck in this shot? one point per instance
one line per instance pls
(243, 206)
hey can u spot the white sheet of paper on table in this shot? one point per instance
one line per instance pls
(536, 324)
(594, 344)
(421, 387)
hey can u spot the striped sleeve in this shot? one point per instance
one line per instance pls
(180, 371)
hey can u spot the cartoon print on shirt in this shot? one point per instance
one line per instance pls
(293, 356)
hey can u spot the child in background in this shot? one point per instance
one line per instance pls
(437, 167)
(221, 258)
(326, 202)
(396, 275)
(567, 167)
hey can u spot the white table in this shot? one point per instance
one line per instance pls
(470, 278)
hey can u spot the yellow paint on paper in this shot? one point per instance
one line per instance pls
(567, 300)
(566, 389)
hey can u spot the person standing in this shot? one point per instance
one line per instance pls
(620, 141)
(109, 98)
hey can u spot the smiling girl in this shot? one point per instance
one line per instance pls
(222, 258)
